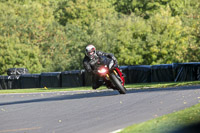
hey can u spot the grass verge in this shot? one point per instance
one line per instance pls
(135, 86)
(162, 84)
(45, 89)
(169, 123)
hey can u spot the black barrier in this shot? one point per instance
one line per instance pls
(198, 72)
(162, 73)
(139, 74)
(186, 71)
(133, 74)
(87, 78)
(14, 81)
(30, 81)
(51, 79)
(72, 78)
(10, 82)
(3, 82)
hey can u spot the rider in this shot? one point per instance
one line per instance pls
(90, 61)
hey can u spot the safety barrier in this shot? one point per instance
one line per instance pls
(50, 79)
(30, 81)
(77, 78)
(72, 78)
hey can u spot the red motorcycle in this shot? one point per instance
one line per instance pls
(111, 74)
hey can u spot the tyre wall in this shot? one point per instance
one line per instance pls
(175, 72)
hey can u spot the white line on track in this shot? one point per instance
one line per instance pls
(117, 131)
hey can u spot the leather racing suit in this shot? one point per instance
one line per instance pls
(90, 64)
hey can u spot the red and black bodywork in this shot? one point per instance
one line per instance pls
(111, 74)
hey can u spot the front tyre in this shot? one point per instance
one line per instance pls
(117, 83)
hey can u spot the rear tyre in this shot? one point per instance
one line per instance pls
(117, 83)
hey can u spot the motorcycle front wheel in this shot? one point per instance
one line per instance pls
(117, 83)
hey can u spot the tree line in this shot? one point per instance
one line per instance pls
(51, 35)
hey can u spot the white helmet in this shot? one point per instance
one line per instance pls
(90, 51)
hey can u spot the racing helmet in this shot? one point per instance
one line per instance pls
(90, 51)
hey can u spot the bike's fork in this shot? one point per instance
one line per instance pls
(118, 76)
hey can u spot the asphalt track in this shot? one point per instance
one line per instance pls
(90, 111)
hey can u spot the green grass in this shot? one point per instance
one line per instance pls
(170, 122)
(45, 89)
(162, 84)
(167, 123)
(135, 86)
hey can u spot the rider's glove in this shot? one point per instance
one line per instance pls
(116, 65)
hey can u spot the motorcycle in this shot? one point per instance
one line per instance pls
(111, 74)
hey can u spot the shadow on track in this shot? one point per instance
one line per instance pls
(192, 128)
(99, 94)
(65, 97)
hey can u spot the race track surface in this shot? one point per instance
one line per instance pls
(90, 111)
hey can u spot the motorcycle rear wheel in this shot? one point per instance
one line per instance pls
(117, 83)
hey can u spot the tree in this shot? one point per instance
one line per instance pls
(135, 31)
(143, 8)
(19, 56)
